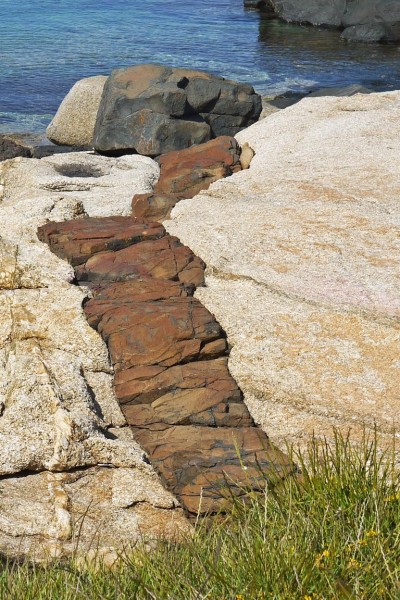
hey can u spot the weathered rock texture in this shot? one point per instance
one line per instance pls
(303, 254)
(69, 464)
(184, 173)
(73, 124)
(101, 185)
(152, 109)
(363, 20)
(170, 358)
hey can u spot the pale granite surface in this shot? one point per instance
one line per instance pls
(303, 256)
(70, 470)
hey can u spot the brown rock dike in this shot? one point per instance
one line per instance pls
(169, 356)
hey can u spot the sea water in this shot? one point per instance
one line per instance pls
(47, 45)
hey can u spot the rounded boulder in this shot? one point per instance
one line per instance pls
(74, 122)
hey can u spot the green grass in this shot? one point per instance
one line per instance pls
(332, 533)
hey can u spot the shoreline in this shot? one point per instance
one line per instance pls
(38, 139)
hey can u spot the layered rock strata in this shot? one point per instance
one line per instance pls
(170, 358)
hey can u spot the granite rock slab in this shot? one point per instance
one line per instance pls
(303, 269)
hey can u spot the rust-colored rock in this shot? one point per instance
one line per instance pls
(197, 393)
(76, 241)
(164, 333)
(164, 258)
(185, 173)
(124, 293)
(139, 385)
(121, 248)
(169, 356)
(198, 463)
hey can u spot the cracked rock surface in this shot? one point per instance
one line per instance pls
(303, 255)
(68, 460)
(170, 359)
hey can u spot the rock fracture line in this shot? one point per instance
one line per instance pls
(170, 358)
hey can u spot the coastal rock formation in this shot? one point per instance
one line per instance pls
(362, 20)
(184, 173)
(10, 148)
(169, 359)
(69, 465)
(371, 32)
(73, 124)
(102, 185)
(303, 268)
(152, 109)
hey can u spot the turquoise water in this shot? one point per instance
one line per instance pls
(46, 45)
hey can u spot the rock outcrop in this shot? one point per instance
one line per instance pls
(184, 173)
(102, 185)
(362, 20)
(152, 109)
(10, 148)
(74, 122)
(303, 267)
(71, 474)
(169, 358)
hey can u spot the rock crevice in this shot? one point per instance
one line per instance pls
(170, 359)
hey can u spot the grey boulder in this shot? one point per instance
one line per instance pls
(362, 20)
(153, 109)
(10, 148)
(369, 33)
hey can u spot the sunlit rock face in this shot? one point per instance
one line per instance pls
(70, 471)
(303, 256)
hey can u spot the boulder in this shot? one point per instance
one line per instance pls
(152, 109)
(363, 20)
(369, 33)
(316, 12)
(264, 5)
(73, 124)
(302, 270)
(10, 148)
(184, 173)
